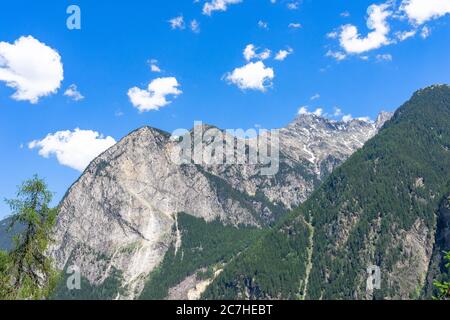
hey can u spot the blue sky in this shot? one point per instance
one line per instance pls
(112, 52)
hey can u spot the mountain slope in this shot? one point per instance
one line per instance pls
(378, 208)
(438, 270)
(6, 235)
(120, 217)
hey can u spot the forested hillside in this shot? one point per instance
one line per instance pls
(379, 208)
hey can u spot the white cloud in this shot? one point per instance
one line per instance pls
(415, 12)
(365, 119)
(154, 66)
(420, 11)
(294, 25)
(195, 26)
(156, 95)
(30, 67)
(315, 97)
(74, 149)
(347, 118)
(384, 57)
(345, 14)
(73, 93)
(318, 112)
(177, 23)
(282, 54)
(252, 76)
(304, 110)
(332, 35)
(425, 33)
(263, 24)
(339, 56)
(337, 112)
(403, 35)
(250, 53)
(352, 42)
(293, 5)
(218, 5)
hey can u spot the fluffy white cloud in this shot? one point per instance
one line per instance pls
(304, 110)
(347, 118)
(352, 42)
(403, 35)
(253, 76)
(218, 5)
(30, 67)
(294, 25)
(332, 35)
(425, 33)
(154, 66)
(73, 93)
(250, 53)
(420, 11)
(315, 97)
(263, 24)
(293, 5)
(156, 95)
(195, 26)
(282, 54)
(177, 23)
(74, 149)
(336, 55)
(384, 57)
(337, 112)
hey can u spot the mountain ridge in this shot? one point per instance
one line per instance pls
(378, 208)
(130, 195)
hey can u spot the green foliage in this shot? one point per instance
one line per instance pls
(4, 276)
(272, 263)
(203, 244)
(29, 273)
(443, 287)
(396, 179)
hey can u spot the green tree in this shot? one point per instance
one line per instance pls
(27, 270)
(5, 289)
(444, 287)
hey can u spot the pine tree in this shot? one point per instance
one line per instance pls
(444, 287)
(27, 270)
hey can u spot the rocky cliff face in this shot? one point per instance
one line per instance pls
(310, 148)
(121, 213)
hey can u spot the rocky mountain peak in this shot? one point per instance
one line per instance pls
(382, 118)
(122, 212)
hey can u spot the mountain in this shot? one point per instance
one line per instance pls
(129, 219)
(386, 207)
(6, 235)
